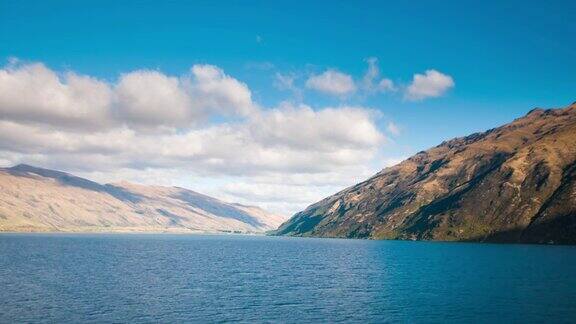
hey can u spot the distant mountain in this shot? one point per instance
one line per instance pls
(515, 183)
(34, 199)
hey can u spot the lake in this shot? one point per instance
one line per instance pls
(216, 278)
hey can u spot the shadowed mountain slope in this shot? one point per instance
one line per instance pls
(515, 183)
(36, 199)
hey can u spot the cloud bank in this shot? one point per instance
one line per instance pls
(143, 98)
(147, 122)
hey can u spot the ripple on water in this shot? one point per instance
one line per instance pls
(175, 278)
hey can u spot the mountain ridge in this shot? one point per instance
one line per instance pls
(36, 199)
(513, 183)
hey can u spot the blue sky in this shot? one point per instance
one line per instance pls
(504, 57)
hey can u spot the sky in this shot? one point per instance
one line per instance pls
(275, 104)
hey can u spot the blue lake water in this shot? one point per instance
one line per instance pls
(195, 278)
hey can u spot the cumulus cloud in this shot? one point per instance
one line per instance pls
(261, 150)
(429, 85)
(329, 129)
(370, 81)
(267, 142)
(151, 98)
(339, 84)
(99, 128)
(332, 82)
(214, 90)
(34, 93)
(143, 98)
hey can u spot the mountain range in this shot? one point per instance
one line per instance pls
(514, 183)
(41, 200)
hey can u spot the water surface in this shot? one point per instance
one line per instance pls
(194, 278)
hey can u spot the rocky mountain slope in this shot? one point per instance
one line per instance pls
(34, 199)
(515, 183)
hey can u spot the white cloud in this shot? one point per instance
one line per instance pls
(332, 82)
(385, 85)
(34, 93)
(429, 85)
(214, 90)
(370, 81)
(151, 98)
(143, 98)
(393, 129)
(289, 156)
(260, 150)
(329, 129)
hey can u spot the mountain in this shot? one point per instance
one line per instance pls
(35, 200)
(515, 183)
